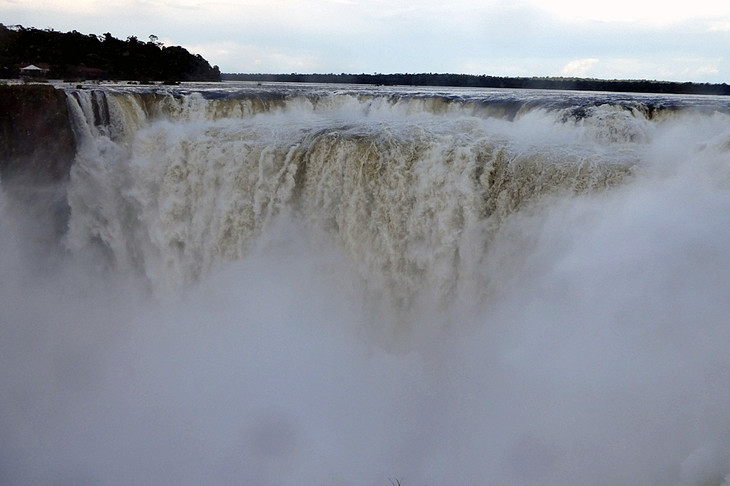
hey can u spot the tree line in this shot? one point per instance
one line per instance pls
(484, 81)
(73, 56)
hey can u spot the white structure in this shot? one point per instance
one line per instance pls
(33, 70)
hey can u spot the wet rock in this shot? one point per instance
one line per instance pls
(36, 141)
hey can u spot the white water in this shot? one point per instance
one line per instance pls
(441, 297)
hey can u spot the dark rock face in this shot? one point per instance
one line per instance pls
(37, 149)
(36, 141)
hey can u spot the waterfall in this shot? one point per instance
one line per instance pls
(327, 285)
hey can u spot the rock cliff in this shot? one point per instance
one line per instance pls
(37, 149)
(36, 141)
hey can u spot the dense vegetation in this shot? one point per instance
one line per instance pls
(483, 81)
(73, 55)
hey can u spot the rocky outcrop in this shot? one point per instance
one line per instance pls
(37, 149)
(36, 141)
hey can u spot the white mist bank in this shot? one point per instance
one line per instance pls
(585, 344)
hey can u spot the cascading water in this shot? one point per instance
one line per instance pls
(291, 285)
(401, 194)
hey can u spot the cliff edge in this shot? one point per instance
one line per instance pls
(36, 141)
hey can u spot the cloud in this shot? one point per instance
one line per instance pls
(647, 12)
(561, 37)
(719, 26)
(661, 67)
(701, 71)
(579, 67)
(236, 57)
(79, 7)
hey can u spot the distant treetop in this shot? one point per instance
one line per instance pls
(73, 55)
(484, 81)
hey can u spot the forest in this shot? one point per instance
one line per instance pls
(484, 81)
(76, 56)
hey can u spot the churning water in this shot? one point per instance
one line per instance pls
(292, 285)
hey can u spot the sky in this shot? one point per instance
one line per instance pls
(621, 39)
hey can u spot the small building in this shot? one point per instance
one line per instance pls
(31, 70)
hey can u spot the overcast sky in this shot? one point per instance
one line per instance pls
(677, 41)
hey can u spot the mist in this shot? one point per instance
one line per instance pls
(585, 344)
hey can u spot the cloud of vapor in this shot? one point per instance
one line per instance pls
(599, 356)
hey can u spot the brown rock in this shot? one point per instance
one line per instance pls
(36, 141)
